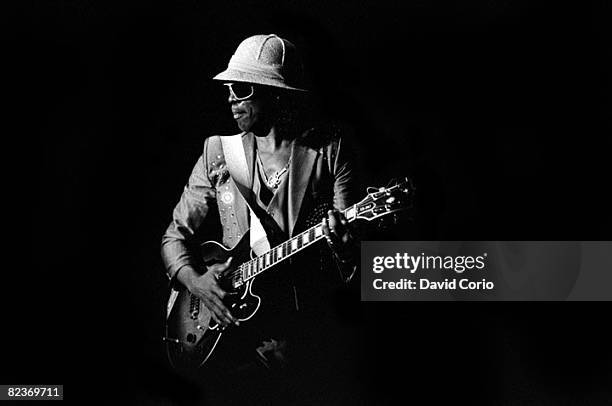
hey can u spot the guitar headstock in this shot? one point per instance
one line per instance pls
(379, 202)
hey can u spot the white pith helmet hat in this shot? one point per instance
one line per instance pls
(265, 60)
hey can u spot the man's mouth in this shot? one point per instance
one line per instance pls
(237, 113)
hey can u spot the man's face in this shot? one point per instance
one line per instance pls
(250, 106)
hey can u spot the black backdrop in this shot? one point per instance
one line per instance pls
(498, 109)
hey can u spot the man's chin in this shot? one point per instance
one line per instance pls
(254, 127)
(243, 126)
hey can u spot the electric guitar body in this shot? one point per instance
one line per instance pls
(191, 333)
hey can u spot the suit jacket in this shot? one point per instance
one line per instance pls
(321, 176)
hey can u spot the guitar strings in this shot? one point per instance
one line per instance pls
(238, 274)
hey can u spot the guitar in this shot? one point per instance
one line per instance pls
(191, 333)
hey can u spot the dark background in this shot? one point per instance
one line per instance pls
(498, 109)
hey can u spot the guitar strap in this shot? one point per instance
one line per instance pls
(236, 162)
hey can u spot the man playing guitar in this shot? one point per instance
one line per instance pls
(292, 177)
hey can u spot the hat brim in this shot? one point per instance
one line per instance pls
(233, 75)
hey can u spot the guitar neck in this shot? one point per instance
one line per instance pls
(279, 253)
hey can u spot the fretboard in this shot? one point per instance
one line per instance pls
(254, 267)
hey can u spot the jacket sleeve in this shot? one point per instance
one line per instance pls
(345, 194)
(194, 205)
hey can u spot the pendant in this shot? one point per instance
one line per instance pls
(275, 180)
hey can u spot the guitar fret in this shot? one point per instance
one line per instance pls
(294, 245)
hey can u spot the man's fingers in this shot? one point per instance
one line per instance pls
(337, 222)
(220, 266)
(329, 237)
(219, 311)
(218, 304)
(212, 295)
(223, 311)
(213, 311)
(336, 231)
(218, 291)
(333, 221)
(325, 227)
(338, 225)
(327, 232)
(343, 220)
(214, 316)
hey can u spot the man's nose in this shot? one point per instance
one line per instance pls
(231, 98)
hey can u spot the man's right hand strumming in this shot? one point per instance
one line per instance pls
(206, 287)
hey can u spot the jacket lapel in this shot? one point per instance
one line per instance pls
(302, 163)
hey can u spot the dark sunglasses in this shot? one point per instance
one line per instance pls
(240, 91)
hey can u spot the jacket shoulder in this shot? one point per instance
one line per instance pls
(324, 136)
(212, 144)
(213, 147)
